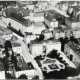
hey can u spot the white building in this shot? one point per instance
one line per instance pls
(2, 71)
(16, 47)
(30, 7)
(28, 38)
(76, 33)
(37, 48)
(74, 24)
(50, 21)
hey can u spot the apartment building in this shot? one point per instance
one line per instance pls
(44, 47)
(16, 47)
(24, 68)
(73, 23)
(72, 51)
(51, 21)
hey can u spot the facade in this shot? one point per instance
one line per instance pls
(44, 47)
(30, 7)
(72, 23)
(28, 38)
(50, 21)
(72, 51)
(16, 47)
(2, 71)
(76, 33)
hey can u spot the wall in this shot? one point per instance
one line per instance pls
(5, 20)
(2, 75)
(15, 24)
(51, 46)
(48, 35)
(29, 73)
(75, 25)
(76, 34)
(37, 50)
(7, 37)
(17, 50)
(47, 22)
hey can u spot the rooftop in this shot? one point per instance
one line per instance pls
(39, 24)
(23, 65)
(73, 19)
(74, 47)
(38, 14)
(50, 18)
(45, 42)
(16, 44)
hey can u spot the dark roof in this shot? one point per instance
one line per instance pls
(73, 19)
(16, 44)
(23, 65)
(74, 47)
(26, 12)
(8, 11)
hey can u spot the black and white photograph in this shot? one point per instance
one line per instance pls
(40, 39)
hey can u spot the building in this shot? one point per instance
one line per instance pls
(76, 33)
(15, 18)
(24, 68)
(50, 21)
(16, 47)
(30, 6)
(30, 37)
(72, 51)
(44, 47)
(73, 23)
(5, 33)
(47, 34)
(38, 27)
(37, 17)
(2, 71)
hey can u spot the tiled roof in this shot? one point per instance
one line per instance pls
(74, 47)
(23, 65)
(16, 44)
(44, 41)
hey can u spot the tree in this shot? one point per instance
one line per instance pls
(23, 76)
(7, 46)
(9, 76)
(36, 77)
(53, 54)
(41, 37)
